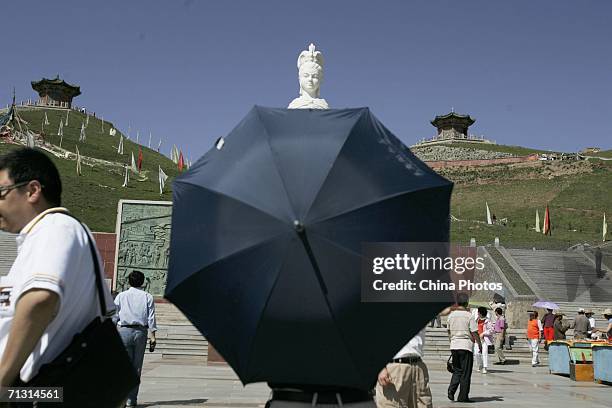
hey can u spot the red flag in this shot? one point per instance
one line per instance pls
(181, 161)
(546, 230)
(139, 163)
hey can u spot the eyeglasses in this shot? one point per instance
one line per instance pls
(4, 190)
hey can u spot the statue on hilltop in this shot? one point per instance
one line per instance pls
(310, 73)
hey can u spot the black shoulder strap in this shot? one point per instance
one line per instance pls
(94, 257)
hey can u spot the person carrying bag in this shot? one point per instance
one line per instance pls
(94, 370)
(54, 326)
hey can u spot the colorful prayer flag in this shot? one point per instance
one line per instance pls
(181, 162)
(134, 168)
(126, 177)
(78, 165)
(139, 164)
(162, 180)
(547, 227)
(82, 136)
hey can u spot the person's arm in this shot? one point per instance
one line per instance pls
(476, 339)
(151, 320)
(34, 311)
(473, 329)
(540, 330)
(117, 303)
(384, 378)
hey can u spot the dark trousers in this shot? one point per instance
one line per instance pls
(463, 361)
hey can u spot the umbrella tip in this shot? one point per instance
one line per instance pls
(299, 227)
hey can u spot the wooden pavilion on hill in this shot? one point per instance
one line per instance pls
(55, 92)
(452, 126)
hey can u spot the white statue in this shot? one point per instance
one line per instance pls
(310, 72)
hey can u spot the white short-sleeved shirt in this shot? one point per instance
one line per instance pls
(460, 324)
(52, 253)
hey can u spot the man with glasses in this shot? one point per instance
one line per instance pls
(49, 294)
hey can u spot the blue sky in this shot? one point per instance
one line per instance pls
(535, 74)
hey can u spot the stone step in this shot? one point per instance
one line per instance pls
(202, 353)
(185, 347)
(181, 342)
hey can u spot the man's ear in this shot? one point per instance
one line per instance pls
(34, 190)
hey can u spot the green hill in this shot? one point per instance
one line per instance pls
(577, 192)
(93, 196)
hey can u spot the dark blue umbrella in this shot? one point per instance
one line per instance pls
(266, 244)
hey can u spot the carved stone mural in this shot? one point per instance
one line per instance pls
(143, 243)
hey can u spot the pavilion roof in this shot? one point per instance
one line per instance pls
(38, 85)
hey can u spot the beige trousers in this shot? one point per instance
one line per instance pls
(499, 347)
(409, 387)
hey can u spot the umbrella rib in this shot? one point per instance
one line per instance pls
(387, 197)
(323, 286)
(233, 198)
(280, 175)
(334, 161)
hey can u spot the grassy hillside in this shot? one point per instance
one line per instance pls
(577, 193)
(93, 197)
(605, 153)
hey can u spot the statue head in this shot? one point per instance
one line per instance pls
(310, 71)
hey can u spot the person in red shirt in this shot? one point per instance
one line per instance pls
(548, 322)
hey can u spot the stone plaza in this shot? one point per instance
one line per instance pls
(180, 383)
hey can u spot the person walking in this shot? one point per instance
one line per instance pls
(463, 331)
(548, 321)
(404, 382)
(589, 315)
(560, 327)
(581, 325)
(49, 294)
(136, 317)
(485, 332)
(500, 335)
(534, 330)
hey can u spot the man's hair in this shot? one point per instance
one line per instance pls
(136, 279)
(482, 310)
(463, 299)
(499, 311)
(26, 164)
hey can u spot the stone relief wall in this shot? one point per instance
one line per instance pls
(144, 244)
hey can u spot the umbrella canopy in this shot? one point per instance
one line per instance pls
(544, 304)
(266, 241)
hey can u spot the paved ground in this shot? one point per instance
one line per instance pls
(168, 383)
